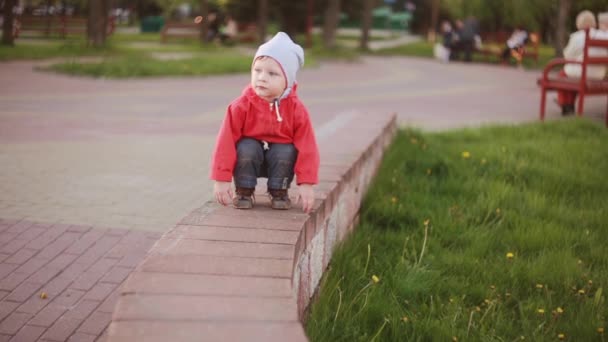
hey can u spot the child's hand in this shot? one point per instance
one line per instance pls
(223, 192)
(306, 197)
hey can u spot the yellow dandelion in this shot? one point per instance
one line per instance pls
(487, 301)
(539, 286)
(600, 330)
(477, 308)
(559, 310)
(498, 211)
(43, 295)
(522, 337)
(414, 141)
(541, 311)
(427, 221)
(590, 282)
(375, 279)
(394, 199)
(405, 319)
(581, 292)
(561, 336)
(510, 255)
(454, 339)
(492, 287)
(483, 161)
(466, 154)
(580, 262)
(451, 300)
(507, 294)
(428, 171)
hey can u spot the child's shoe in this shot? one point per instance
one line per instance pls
(243, 198)
(279, 199)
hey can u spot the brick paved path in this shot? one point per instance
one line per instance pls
(93, 171)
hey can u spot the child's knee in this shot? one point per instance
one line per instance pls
(250, 149)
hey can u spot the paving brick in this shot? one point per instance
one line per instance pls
(211, 331)
(32, 265)
(225, 248)
(252, 222)
(98, 250)
(44, 274)
(132, 259)
(11, 324)
(95, 323)
(78, 228)
(88, 279)
(20, 226)
(47, 238)
(13, 280)
(81, 337)
(86, 240)
(13, 246)
(6, 269)
(4, 293)
(202, 284)
(110, 302)
(6, 308)
(61, 329)
(4, 257)
(60, 244)
(202, 264)
(33, 304)
(47, 316)
(23, 292)
(5, 338)
(204, 308)
(68, 298)
(28, 334)
(117, 275)
(100, 291)
(32, 233)
(6, 237)
(21, 256)
(234, 234)
(62, 261)
(67, 324)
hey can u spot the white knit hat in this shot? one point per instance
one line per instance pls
(287, 53)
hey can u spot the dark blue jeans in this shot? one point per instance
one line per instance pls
(253, 161)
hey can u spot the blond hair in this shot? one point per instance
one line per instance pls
(585, 20)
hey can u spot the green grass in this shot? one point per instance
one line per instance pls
(425, 49)
(538, 191)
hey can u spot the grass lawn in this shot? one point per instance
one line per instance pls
(491, 234)
(136, 55)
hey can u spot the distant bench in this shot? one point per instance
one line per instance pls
(247, 32)
(56, 25)
(494, 44)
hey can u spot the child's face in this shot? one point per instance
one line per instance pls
(267, 78)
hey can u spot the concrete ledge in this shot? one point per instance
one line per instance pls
(225, 274)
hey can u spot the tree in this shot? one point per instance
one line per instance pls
(366, 23)
(205, 23)
(97, 22)
(262, 20)
(7, 26)
(330, 25)
(561, 27)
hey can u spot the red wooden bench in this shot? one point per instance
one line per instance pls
(582, 85)
(59, 25)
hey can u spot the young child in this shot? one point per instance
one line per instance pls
(267, 133)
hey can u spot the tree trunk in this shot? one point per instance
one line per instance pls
(561, 30)
(96, 24)
(262, 20)
(366, 23)
(204, 23)
(7, 26)
(330, 25)
(434, 19)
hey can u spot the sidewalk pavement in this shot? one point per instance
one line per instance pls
(93, 171)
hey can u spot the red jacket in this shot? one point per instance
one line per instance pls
(253, 117)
